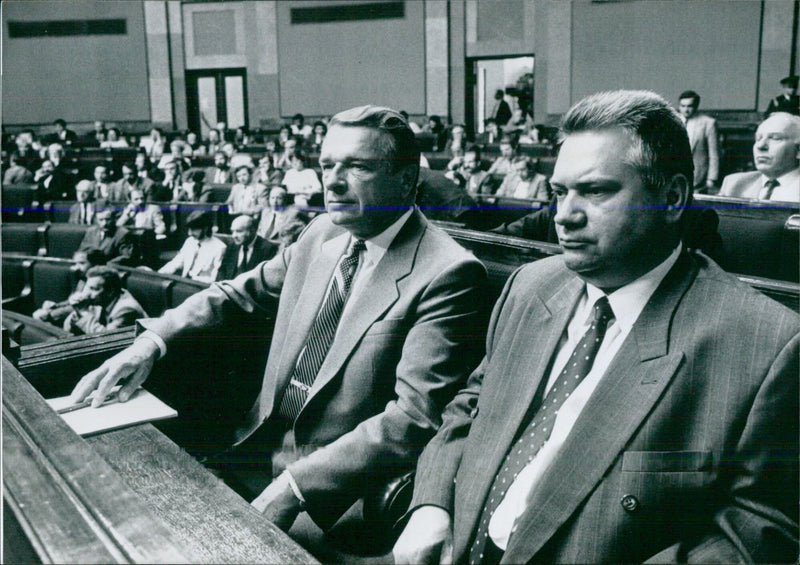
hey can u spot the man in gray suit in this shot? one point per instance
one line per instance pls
(776, 153)
(636, 403)
(702, 132)
(376, 318)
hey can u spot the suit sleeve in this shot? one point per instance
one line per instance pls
(438, 465)
(757, 518)
(438, 352)
(713, 152)
(727, 186)
(255, 291)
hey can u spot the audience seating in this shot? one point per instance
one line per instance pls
(26, 239)
(57, 211)
(64, 239)
(18, 203)
(152, 291)
(52, 280)
(16, 278)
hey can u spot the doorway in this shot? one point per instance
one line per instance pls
(216, 95)
(487, 75)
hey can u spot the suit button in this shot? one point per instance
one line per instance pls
(630, 503)
(473, 413)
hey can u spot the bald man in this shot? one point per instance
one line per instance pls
(776, 153)
(246, 250)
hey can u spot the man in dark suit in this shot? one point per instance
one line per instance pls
(117, 244)
(221, 172)
(64, 135)
(636, 403)
(376, 316)
(789, 101)
(246, 250)
(120, 190)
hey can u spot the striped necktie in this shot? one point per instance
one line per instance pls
(769, 187)
(321, 335)
(540, 426)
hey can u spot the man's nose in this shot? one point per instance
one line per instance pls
(569, 211)
(761, 144)
(334, 179)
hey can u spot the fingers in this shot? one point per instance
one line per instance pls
(87, 384)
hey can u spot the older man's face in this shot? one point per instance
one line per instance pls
(611, 228)
(777, 149)
(105, 221)
(242, 229)
(362, 192)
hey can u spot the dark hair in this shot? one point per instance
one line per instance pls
(300, 154)
(690, 94)
(662, 146)
(473, 148)
(248, 168)
(321, 123)
(300, 117)
(111, 279)
(60, 122)
(400, 142)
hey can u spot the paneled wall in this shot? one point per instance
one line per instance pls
(82, 75)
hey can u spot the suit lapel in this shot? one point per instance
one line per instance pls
(541, 327)
(308, 305)
(368, 306)
(633, 383)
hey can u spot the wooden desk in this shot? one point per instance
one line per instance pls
(130, 496)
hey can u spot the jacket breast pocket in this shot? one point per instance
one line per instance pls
(392, 327)
(661, 486)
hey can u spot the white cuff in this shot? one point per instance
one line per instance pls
(155, 338)
(295, 488)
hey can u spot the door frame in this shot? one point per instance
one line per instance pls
(193, 101)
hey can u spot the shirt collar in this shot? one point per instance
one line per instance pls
(628, 301)
(379, 244)
(787, 179)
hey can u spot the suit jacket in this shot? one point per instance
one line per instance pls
(120, 191)
(75, 213)
(96, 319)
(694, 426)
(211, 173)
(121, 248)
(262, 250)
(702, 132)
(60, 187)
(536, 187)
(749, 185)
(149, 218)
(780, 103)
(402, 350)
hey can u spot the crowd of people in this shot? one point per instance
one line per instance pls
(619, 408)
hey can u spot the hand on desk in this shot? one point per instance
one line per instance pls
(427, 538)
(278, 503)
(133, 365)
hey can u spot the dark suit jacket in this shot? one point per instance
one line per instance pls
(403, 348)
(780, 103)
(121, 248)
(262, 250)
(61, 187)
(696, 419)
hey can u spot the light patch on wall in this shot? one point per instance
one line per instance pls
(214, 32)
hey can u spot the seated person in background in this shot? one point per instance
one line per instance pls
(213, 142)
(102, 304)
(139, 214)
(502, 165)
(413, 126)
(436, 127)
(299, 126)
(284, 161)
(247, 249)
(200, 256)
(776, 153)
(130, 181)
(299, 180)
(289, 233)
(244, 194)
(176, 155)
(55, 180)
(193, 147)
(490, 134)
(266, 173)
(97, 135)
(16, 173)
(195, 189)
(142, 164)
(64, 135)
(117, 245)
(241, 137)
(275, 213)
(523, 181)
(314, 143)
(154, 144)
(439, 198)
(101, 185)
(456, 141)
(517, 125)
(466, 171)
(56, 312)
(221, 172)
(83, 211)
(172, 185)
(25, 154)
(114, 140)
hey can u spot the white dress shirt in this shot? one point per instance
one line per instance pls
(198, 260)
(626, 303)
(788, 189)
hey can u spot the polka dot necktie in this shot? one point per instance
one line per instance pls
(321, 335)
(538, 430)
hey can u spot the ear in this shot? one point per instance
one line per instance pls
(676, 195)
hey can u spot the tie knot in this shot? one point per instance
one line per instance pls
(357, 247)
(602, 311)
